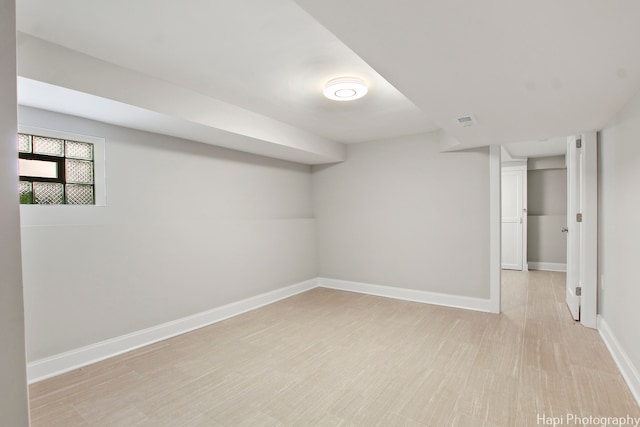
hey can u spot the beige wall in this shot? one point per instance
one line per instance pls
(619, 229)
(13, 379)
(188, 227)
(400, 213)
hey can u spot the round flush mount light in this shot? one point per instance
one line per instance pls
(345, 89)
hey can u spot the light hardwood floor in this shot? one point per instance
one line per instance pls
(333, 358)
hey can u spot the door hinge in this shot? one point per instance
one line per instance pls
(579, 143)
(579, 217)
(578, 291)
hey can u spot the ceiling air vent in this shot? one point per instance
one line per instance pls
(466, 121)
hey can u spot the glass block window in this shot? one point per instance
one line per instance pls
(79, 171)
(48, 146)
(79, 194)
(24, 143)
(48, 193)
(26, 193)
(69, 166)
(78, 150)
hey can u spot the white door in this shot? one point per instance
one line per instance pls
(513, 216)
(582, 220)
(574, 207)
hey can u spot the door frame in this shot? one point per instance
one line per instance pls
(495, 227)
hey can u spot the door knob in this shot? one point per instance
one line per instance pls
(564, 229)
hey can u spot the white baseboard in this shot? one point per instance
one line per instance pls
(64, 362)
(629, 371)
(547, 266)
(70, 360)
(469, 303)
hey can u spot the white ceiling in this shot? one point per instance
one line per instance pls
(268, 57)
(527, 71)
(545, 148)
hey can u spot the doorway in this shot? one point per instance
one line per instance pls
(581, 222)
(547, 215)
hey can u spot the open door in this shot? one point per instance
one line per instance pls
(582, 193)
(574, 207)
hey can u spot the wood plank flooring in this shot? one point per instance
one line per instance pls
(333, 358)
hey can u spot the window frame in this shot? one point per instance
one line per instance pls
(99, 166)
(59, 161)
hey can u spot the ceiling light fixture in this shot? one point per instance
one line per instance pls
(345, 89)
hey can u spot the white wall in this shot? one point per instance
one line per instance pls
(619, 229)
(547, 191)
(13, 377)
(187, 227)
(400, 213)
